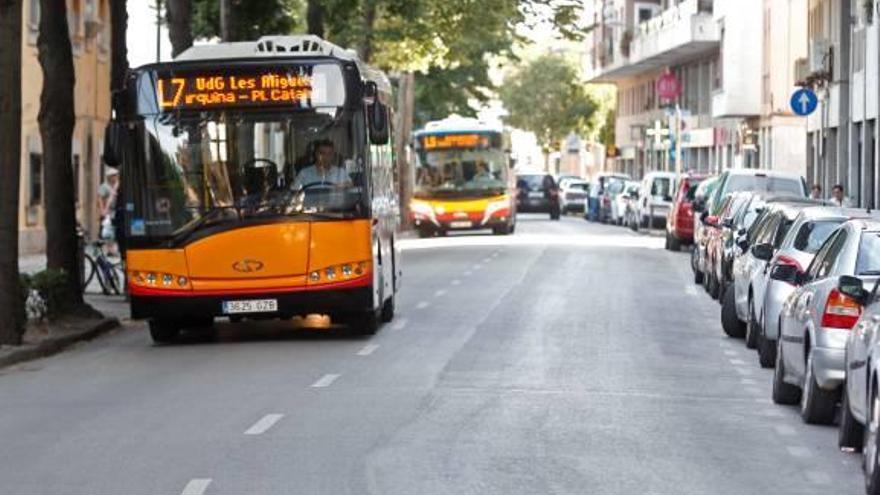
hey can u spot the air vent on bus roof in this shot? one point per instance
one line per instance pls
(301, 45)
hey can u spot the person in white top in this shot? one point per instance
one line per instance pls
(838, 198)
(323, 171)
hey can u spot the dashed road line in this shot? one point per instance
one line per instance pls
(785, 430)
(773, 413)
(486, 260)
(690, 290)
(439, 292)
(743, 371)
(730, 352)
(467, 273)
(196, 486)
(422, 305)
(737, 362)
(800, 452)
(748, 381)
(399, 324)
(368, 349)
(455, 282)
(325, 381)
(263, 425)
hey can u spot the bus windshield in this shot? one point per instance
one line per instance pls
(228, 167)
(461, 172)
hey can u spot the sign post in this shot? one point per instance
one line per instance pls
(669, 88)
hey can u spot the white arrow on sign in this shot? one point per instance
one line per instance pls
(804, 100)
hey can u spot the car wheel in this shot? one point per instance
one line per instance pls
(731, 324)
(751, 328)
(666, 245)
(715, 287)
(783, 393)
(766, 347)
(851, 434)
(872, 460)
(388, 310)
(698, 275)
(817, 405)
(164, 331)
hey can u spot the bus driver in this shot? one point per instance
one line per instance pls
(323, 171)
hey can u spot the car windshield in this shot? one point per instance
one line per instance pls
(764, 183)
(811, 235)
(868, 260)
(191, 171)
(534, 182)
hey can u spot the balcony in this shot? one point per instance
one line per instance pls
(677, 34)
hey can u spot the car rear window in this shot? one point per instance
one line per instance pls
(533, 182)
(581, 186)
(661, 186)
(775, 185)
(812, 235)
(868, 261)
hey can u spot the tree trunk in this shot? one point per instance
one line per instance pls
(225, 20)
(11, 323)
(57, 120)
(179, 18)
(315, 17)
(118, 44)
(368, 20)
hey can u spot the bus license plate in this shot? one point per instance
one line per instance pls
(250, 306)
(460, 225)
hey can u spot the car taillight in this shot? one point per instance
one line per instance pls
(841, 311)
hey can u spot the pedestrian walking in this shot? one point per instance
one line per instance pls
(838, 198)
(108, 192)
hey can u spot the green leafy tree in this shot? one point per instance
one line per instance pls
(248, 19)
(547, 98)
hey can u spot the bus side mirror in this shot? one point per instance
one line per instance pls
(377, 116)
(114, 134)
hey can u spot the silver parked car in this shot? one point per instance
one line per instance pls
(860, 406)
(817, 318)
(807, 234)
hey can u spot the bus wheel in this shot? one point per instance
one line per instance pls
(387, 310)
(364, 322)
(164, 331)
(424, 232)
(501, 230)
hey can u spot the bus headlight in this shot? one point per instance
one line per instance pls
(339, 273)
(500, 207)
(423, 211)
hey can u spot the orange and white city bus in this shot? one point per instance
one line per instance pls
(462, 178)
(257, 183)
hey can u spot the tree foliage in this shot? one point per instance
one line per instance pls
(547, 98)
(248, 20)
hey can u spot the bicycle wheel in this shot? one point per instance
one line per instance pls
(88, 271)
(111, 277)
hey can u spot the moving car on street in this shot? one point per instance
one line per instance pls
(223, 223)
(817, 319)
(537, 193)
(462, 178)
(680, 220)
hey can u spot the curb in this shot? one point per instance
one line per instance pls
(53, 346)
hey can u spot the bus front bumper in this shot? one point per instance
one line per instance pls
(290, 304)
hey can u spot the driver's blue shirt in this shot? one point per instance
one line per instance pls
(310, 175)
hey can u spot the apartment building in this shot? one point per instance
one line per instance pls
(734, 78)
(842, 67)
(89, 23)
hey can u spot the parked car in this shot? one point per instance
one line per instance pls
(860, 399)
(680, 220)
(810, 229)
(561, 179)
(599, 194)
(537, 193)
(702, 202)
(734, 237)
(573, 195)
(720, 233)
(768, 182)
(816, 320)
(655, 197)
(625, 199)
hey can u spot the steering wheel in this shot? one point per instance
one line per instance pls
(254, 161)
(320, 183)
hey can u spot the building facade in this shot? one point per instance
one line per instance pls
(730, 109)
(89, 24)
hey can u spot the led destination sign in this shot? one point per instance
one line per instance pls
(294, 87)
(433, 142)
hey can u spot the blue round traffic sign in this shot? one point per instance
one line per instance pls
(804, 101)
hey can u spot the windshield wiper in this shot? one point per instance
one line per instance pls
(870, 273)
(203, 220)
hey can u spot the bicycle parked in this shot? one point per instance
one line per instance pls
(108, 270)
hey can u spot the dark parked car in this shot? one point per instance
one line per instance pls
(537, 193)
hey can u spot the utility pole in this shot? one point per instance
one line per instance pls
(158, 30)
(405, 102)
(224, 20)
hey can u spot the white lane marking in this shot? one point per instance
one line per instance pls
(264, 424)
(730, 352)
(325, 381)
(196, 486)
(773, 413)
(737, 362)
(690, 290)
(818, 477)
(486, 260)
(743, 371)
(764, 400)
(801, 452)
(439, 292)
(399, 324)
(748, 381)
(456, 282)
(785, 430)
(422, 305)
(467, 273)
(476, 267)
(368, 349)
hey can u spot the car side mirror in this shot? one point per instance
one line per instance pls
(852, 287)
(377, 114)
(114, 134)
(763, 252)
(785, 273)
(742, 241)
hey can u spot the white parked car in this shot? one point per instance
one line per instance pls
(628, 196)
(573, 195)
(655, 197)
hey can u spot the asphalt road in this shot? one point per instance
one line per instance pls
(570, 358)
